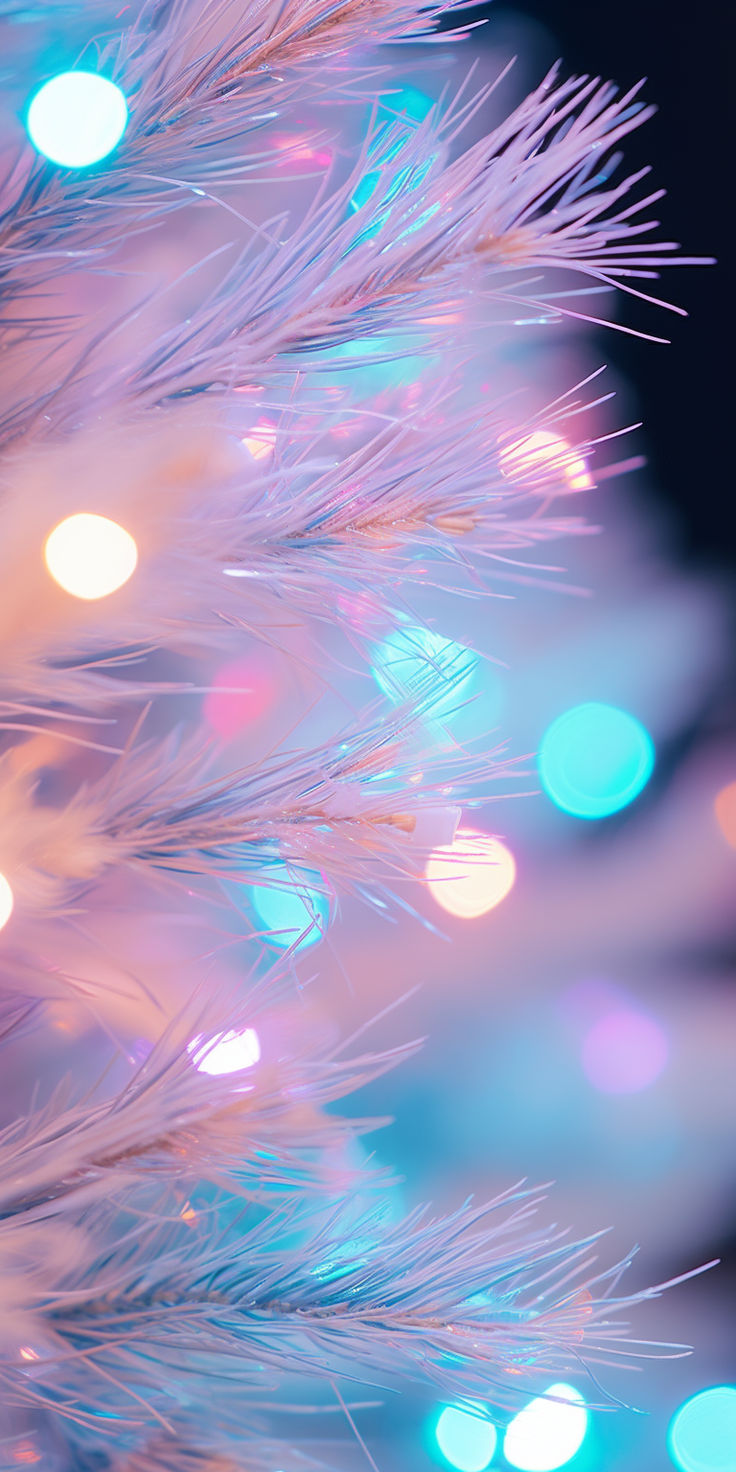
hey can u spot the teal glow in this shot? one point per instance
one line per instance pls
(702, 1434)
(547, 1433)
(296, 915)
(467, 1440)
(410, 103)
(77, 118)
(595, 759)
(416, 661)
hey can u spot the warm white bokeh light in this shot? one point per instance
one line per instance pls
(227, 1052)
(545, 451)
(471, 875)
(261, 442)
(547, 1433)
(6, 901)
(90, 556)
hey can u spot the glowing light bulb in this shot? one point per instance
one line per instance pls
(595, 759)
(702, 1434)
(261, 441)
(90, 556)
(6, 901)
(295, 914)
(77, 118)
(547, 1433)
(467, 1441)
(725, 808)
(551, 453)
(413, 660)
(471, 875)
(624, 1052)
(226, 1052)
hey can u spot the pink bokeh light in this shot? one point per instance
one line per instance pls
(242, 692)
(624, 1052)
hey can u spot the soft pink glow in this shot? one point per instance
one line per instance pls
(261, 440)
(725, 809)
(624, 1052)
(549, 452)
(242, 692)
(471, 875)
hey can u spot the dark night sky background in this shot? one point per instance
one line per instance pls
(684, 50)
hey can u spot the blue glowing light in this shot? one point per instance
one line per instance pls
(702, 1434)
(466, 1440)
(295, 914)
(416, 661)
(547, 1434)
(77, 118)
(594, 759)
(410, 103)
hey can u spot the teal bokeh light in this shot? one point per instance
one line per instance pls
(414, 661)
(295, 914)
(467, 1441)
(595, 759)
(702, 1434)
(77, 118)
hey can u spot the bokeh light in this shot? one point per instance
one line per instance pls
(90, 556)
(725, 809)
(595, 759)
(226, 1052)
(471, 875)
(702, 1434)
(242, 691)
(417, 661)
(6, 901)
(295, 914)
(624, 1052)
(261, 441)
(77, 118)
(467, 1441)
(549, 453)
(547, 1434)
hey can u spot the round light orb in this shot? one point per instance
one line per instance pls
(226, 1052)
(549, 453)
(471, 875)
(467, 1441)
(90, 556)
(6, 901)
(295, 915)
(725, 810)
(417, 661)
(77, 118)
(702, 1434)
(624, 1052)
(595, 759)
(547, 1434)
(242, 692)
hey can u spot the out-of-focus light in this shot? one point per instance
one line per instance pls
(90, 556)
(261, 441)
(77, 118)
(6, 901)
(471, 875)
(725, 807)
(241, 692)
(546, 1434)
(595, 759)
(702, 1434)
(417, 661)
(227, 1052)
(624, 1052)
(467, 1441)
(295, 915)
(547, 452)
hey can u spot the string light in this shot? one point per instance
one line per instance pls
(415, 660)
(226, 1052)
(90, 556)
(6, 901)
(471, 875)
(77, 118)
(466, 1440)
(261, 442)
(546, 1434)
(595, 759)
(543, 450)
(624, 1052)
(702, 1434)
(295, 915)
